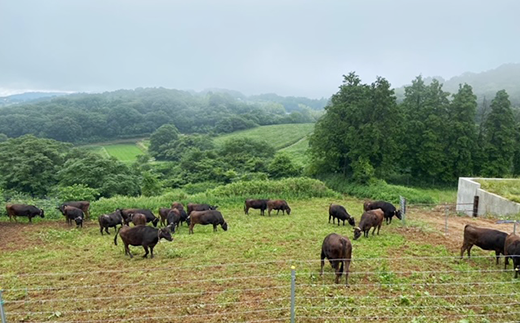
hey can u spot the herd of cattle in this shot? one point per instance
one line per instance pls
(336, 248)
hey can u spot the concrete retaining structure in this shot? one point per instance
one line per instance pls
(489, 203)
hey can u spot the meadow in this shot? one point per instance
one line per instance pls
(279, 136)
(126, 150)
(410, 272)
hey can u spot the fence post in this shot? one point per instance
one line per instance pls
(293, 292)
(446, 218)
(2, 312)
(514, 227)
(402, 202)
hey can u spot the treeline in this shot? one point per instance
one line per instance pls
(430, 137)
(83, 118)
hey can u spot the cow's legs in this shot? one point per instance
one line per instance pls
(146, 252)
(151, 251)
(128, 252)
(106, 230)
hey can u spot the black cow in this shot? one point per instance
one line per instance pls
(512, 250)
(213, 217)
(338, 250)
(173, 219)
(73, 214)
(110, 221)
(83, 205)
(163, 214)
(369, 219)
(180, 207)
(388, 208)
(255, 204)
(278, 205)
(200, 207)
(150, 217)
(487, 239)
(337, 211)
(30, 211)
(142, 235)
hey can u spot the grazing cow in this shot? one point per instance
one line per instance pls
(142, 235)
(138, 219)
(369, 219)
(30, 211)
(200, 207)
(278, 205)
(180, 207)
(73, 214)
(110, 221)
(487, 239)
(255, 204)
(338, 250)
(173, 219)
(512, 250)
(83, 205)
(388, 209)
(163, 213)
(150, 217)
(339, 212)
(213, 217)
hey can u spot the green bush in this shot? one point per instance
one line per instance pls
(77, 192)
(299, 187)
(377, 190)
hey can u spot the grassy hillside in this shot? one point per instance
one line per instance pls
(125, 150)
(510, 189)
(405, 274)
(279, 136)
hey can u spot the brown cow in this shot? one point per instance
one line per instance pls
(83, 205)
(278, 205)
(138, 219)
(30, 211)
(200, 207)
(213, 217)
(369, 219)
(338, 250)
(142, 235)
(487, 239)
(163, 214)
(512, 250)
(255, 204)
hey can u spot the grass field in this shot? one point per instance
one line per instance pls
(509, 189)
(279, 136)
(126, 151)
(411, 273)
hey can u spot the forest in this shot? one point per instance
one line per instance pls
(364, 137)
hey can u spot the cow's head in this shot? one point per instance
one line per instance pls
(41, 213)
(288, 209)
(188, 220)
(155, 221)
(357, 233)
(165, 233)
(213, 207)
(61, 208)
(398, 214)
(79, 221)
(366, 206)
(224, 226)
(171, 227)
(351, 221)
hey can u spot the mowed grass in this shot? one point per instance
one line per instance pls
(54, 272)
(279, 136)
(126, 152)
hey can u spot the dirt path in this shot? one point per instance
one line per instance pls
(453, 239)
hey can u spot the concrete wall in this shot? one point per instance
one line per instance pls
(489, 203)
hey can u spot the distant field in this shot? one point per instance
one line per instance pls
(297, 151)
(126, 152)
(279, 136)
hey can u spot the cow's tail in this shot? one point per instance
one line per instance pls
(117, 233)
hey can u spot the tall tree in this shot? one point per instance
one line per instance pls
(426, 112)
(162, 139)
(357, 135)
(499, 137)
(461, 134)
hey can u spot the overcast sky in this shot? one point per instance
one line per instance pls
(299, 48)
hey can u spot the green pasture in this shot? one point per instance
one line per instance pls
(508, 188)
(279, 136)
(125, 151)
(407, 273)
